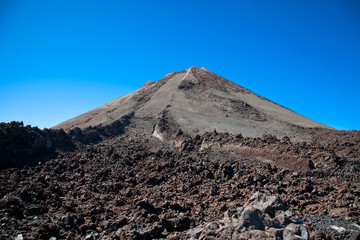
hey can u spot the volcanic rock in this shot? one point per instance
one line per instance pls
(181, 157)
(262, 217)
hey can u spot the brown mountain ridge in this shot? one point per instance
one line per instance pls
(197, 100)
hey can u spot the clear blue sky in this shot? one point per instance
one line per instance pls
(61, 58)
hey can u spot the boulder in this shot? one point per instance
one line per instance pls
(262, 217)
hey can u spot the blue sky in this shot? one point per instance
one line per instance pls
(61, 58)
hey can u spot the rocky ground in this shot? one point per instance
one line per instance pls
(137, 187)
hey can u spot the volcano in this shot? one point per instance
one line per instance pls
(190, 156)
(197, 100)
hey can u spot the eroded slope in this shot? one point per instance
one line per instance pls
(198, 100)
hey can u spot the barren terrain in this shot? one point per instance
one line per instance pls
(128, 187)
(191, 156)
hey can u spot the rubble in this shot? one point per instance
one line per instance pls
(262, 217)
(127, 187)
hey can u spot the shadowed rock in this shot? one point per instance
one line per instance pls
(262, 217)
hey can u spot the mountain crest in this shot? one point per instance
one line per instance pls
(189, 80)
(197, 100)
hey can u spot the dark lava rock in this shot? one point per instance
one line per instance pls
(323, 226)
(137, 187)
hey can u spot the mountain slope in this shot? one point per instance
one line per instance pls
(123, 178)
(196, 101)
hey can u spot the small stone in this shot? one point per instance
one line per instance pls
(294, 229)
(194, 233)
(289, 213)
(183, 223)
(239, 210)
(339, 229)
(229, 214)
(19, 237)
(251, 217)
(92, 236)
(212, 226)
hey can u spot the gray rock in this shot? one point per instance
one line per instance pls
(252, 218)
(19, 237)
(262, 217)
(194, 233)
(92, 236)
(212, 226)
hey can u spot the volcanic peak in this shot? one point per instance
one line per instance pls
(196, 100)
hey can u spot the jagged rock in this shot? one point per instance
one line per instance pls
(92, 236)
(163, 191)
(19, 237)
(338, 228)
(260, 218)
(25, 145)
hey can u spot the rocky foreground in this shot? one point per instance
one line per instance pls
(214, 186)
